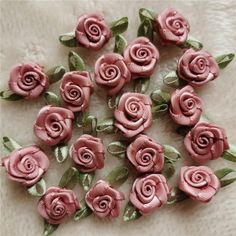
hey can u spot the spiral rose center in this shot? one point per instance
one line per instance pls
(29, 81)
(140, 54)
(198, 179)
(72, 92)
(94, 30)
(85, 155)
(58, 209)
(203, 141)
(111, 72)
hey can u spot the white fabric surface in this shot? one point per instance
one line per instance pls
(29, 32)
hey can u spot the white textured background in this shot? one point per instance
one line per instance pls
(29, 32)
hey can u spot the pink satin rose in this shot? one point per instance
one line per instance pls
(26, 165)
(111, 72)
(133, 114)
(205, 142)
(92, 31)
(141, 57)
(199, 182)
(103, 200)
(28, 80)
(146, 154)
(88, 153)
(149, 192)
(197, 67)
(54, 125)
(172, 27)
(58, 204)
(185, 106)
(76, 89)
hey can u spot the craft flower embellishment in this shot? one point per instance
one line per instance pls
(57, 204)
(199, 182)
(76, 89)
(111, 73)
(146, 154)
(206, 141)
(141, 57)
(133, 114)
(186, 106)
(54, 125)
(149, 192)
(104, 200)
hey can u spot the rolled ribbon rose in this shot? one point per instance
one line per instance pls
(141, 57)
(111, 72)
(199, 182)
(146, 154)
(205, 142)
(58, 204)
(92, 31)
(103, 200)
(133, 114)
(149, 192)
(54, 125)
(75, 89)
(197, 67)
(88, 153)
(172, 27)
(185, 106)
(26, 165)
(28, 80)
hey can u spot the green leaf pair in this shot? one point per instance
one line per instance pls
(141, 85)
(38, 189)
(68, 39)
(106, 126)
(191, 42)
(118, 148)
(10, 144)
(230, 154)
(120, 44)
(131, 212)
(119, 26)
(61, 153)
(221, 173)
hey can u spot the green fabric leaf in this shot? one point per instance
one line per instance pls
(141, 85)
(68, 39)
(69, 178)
(118, 176)
(224, 60)
(75, 62)
(171, 79)
(119, 26)
(118, 148)
(89, 124)
(55, 74)
(146, 14)
(131, 212)
(159, 110)
(146, 29)
(38, 189)
(159, 97)
(52, 99)
(171, 153)
(112, 102)
(169, 169)
(230, 154)
(10, 96)
(176, 196)
(61, 153)
(10, 144)
(120, 44)
(83, 212)
(86, 179)
(221, 173)
(49, 229)
(106, 126)
(191, 42)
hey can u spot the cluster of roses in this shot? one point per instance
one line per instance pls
(133, 115)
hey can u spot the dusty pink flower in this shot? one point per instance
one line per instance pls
(92, 31)
(141, 57)
(197, 67)
(111, 72)
(28, 80)
(76, 89)
(133, 114)
(104, 200)
(146, 154)
(26, 165)
(199, 182)
(54, 125)
(58, 204)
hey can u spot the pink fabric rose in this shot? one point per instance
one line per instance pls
(172, 27)
(26, 165)
(133, 114)
(199, 182)
(104, 200)
(92, 31)
(146, 154)
(28, 80)
(197, 67)
(141, 57)
(54, 125)
(111, 72)
(76, 89)
(185, 107)
(206, 142)
(88, 153)
(149, 192)
(57, 204)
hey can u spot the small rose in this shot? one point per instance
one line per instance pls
(28, 80)
(149, 192)
(104, 200)
(76, 89)
(133, 114)
(206, 142)
(172, 27)
(199, 182)
(111, 73)
(197, 67)
(141, 57)
(54, 125)
(185, 107)
(146, 154)
(88, 153)
(92, 31)
(57, 204)
(26, 165)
